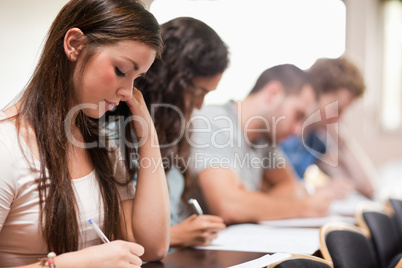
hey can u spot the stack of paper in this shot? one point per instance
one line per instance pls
(309, 222)
(261, 238)
(264, 261)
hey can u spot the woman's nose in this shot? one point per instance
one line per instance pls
(126, 91)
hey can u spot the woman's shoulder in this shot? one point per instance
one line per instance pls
(7, 129)
(8, 119)
(11, 142)
(8, 148)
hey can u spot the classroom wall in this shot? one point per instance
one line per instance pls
(23, 25)
(363, 44)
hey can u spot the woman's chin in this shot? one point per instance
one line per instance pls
(95, 114)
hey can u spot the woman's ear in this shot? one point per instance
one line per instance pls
(73, 43)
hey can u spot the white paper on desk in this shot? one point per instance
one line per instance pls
(346, 206)
(261, 238)
(309, 222)
(264, 261)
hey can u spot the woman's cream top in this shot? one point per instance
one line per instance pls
(21, 239)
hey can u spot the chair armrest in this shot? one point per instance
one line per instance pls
(399, 264)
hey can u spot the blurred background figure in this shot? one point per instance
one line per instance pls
(241, 173)
(327, 155)
(192, 64)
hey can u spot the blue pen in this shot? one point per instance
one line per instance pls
(99, 231)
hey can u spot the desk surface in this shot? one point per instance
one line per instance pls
(199, 258)
(208, 258)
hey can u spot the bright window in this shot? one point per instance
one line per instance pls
(391, 107)
(264, 33)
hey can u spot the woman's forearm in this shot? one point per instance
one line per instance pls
(151, 212)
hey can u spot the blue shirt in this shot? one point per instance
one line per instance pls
(176, 186)
(297, 153)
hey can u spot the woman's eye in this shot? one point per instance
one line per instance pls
(118, 72)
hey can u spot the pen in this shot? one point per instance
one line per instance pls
(310, 189)
(195, 206)
(99, 231)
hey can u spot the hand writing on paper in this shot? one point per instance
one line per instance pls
(317, 205)
(196, 231)
(342, 187)
(114, 254)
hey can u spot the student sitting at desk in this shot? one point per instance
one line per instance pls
(192, 64)
(338, 84)
(58, 170)
(242, 177)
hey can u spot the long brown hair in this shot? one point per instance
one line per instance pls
(191, 49)
(46, 103)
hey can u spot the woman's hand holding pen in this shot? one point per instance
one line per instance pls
(317, 205)
(116, 254)
(341, 187)
(196, 231)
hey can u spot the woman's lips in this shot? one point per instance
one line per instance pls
(110, 105)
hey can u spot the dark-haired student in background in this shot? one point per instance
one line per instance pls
(192, 64)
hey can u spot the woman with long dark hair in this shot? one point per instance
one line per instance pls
(192, 64)
(58, 167)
